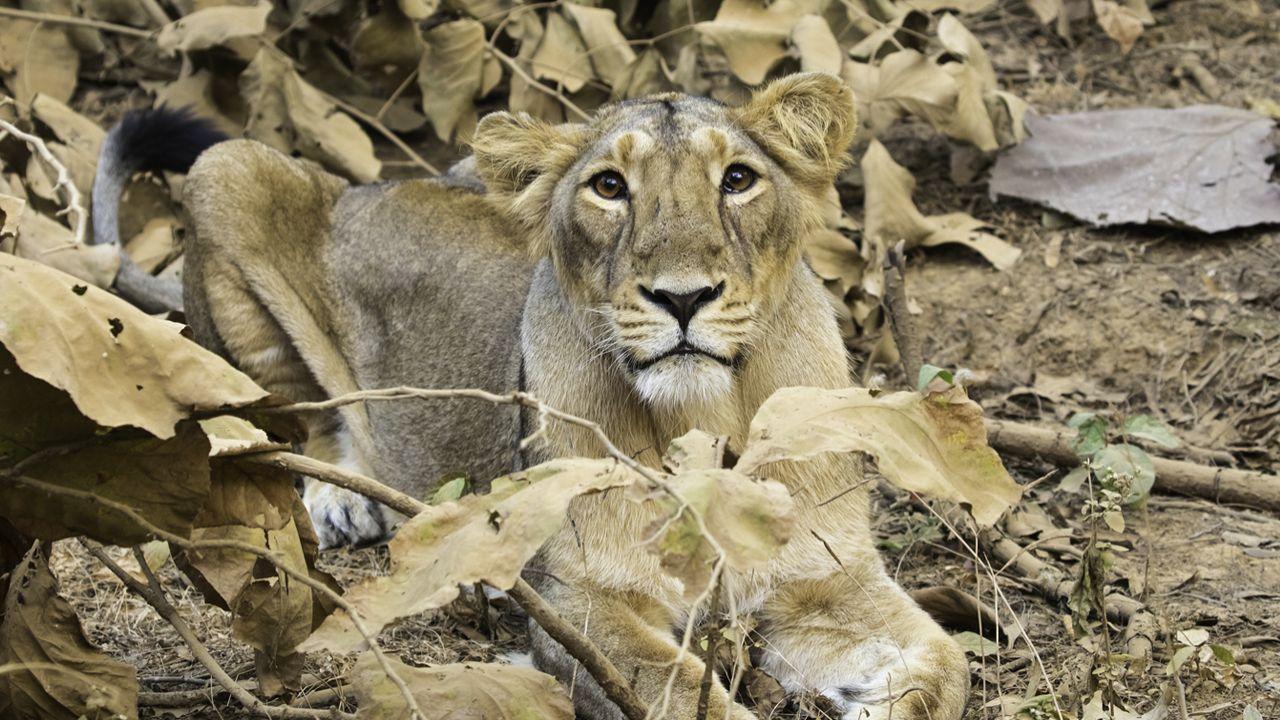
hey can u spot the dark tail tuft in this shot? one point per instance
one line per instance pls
(162, 138)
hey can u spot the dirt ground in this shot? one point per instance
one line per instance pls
(1180, 325)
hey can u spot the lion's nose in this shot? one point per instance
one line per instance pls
(682, 306)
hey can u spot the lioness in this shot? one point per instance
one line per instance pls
(665, 290)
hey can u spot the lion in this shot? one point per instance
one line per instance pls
(643, 270)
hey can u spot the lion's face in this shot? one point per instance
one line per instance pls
(675, 224)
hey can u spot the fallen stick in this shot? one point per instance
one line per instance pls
(1224, 485)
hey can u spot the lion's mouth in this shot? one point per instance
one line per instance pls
(682, 349)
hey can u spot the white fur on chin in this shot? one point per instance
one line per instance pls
(684, 381)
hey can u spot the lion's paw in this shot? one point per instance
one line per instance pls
(342, 517)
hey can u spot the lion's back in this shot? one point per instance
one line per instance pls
(432, 283)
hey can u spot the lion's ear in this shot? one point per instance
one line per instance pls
(520, 158)
(806, 121)
(514, 149)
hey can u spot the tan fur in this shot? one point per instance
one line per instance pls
(401, 284)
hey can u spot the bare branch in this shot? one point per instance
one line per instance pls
(154, 594)
(268, 555)
(55, 19)
(582, 649)
(71, 194)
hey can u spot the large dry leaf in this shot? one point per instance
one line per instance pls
(956, 38)
(562, 56)
(471, 691)
(749, 519)
(485, 538)
(165, 481)
(891, 215)
(1202, 167)
(948, 96)
(752, 35)
(48, 242)
(449, 75)
(39, 628)
(273, 613)
(819, 52)
(121, 366)
(289, 114)
(933, 444)
(610, 54)
(213, 26)
(38, 58)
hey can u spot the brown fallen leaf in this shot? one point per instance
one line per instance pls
(562, 56)
(485, 538)
(463, 691)
(38, 58)
(289, 114)
(933, 444)
(892, 216)
(1119, 23)
(213, 26)
(752, 35)
(120, 366)
(813, 41)
(50, 669)
(1202, 167)
(450, 75)
(610, 54)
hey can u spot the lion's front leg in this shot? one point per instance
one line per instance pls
(635, 632)
(858, 639)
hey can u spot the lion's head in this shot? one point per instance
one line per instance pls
(674, 223)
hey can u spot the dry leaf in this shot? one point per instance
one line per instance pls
(388, 42)
(480, 691)
(480, 538)
(1202, 167)
(819, 52)
(120, 365)
(610, 53)
(957, 39)
(40, 629)
(450, 74)
(418, 9)
(39, 59)
(695, 450)
(749, 519)
(753, 37)
(935, 445)
(165, 481)
(153, 246)
(562, 56)
(892, 216)
(1119, 23)
(289, 114)
(46, 241)
(212, 27)
(646, 76)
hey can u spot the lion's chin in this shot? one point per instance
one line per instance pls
(684, 381)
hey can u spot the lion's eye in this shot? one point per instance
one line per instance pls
(609, 185)
(738, 178)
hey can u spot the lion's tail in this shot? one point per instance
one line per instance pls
(156, 139)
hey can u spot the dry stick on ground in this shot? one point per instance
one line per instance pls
(415, 712)
(155, 596)
(1243, 487)
(905, 333)
(70, 193)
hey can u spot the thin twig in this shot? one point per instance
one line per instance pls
(582, 649)
(268, 555)
(71, 194)
(382, 130)
(56, 19)
(155, 596)
(515, 67)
